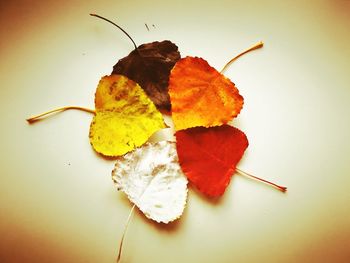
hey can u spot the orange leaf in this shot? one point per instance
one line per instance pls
(201, 96)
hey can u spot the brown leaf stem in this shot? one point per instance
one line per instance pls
(281, 188)
(256, 46)
(109, 21)
(40, 116)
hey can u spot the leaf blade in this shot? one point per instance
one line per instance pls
(152, 179)
(201, 96)
(208, 156)
(125, 117)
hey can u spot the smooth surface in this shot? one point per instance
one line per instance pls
(57, 199)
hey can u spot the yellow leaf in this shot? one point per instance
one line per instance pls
(125, 117)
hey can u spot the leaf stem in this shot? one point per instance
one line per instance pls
(109, 21)
(124, 233)
(39, 116)
(256, 46)
(281, 188)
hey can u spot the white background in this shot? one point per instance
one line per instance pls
(57, 199)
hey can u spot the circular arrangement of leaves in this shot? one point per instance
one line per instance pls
(151, 80)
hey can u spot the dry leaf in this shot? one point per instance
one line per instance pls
(152, 179)
(125, 117)
(208, 156)
(201, 96)
(150, 65)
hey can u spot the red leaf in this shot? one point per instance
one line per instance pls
(208, 156)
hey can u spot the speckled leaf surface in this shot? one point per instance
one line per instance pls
(125, 117)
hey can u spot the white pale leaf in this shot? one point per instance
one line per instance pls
(152, 179)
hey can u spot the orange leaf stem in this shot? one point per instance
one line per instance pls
(256, 46)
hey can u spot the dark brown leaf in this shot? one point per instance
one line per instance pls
(149, 65)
